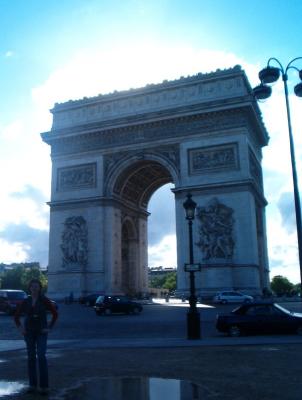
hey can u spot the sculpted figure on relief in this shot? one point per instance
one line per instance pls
(74, 242)
(216, 230)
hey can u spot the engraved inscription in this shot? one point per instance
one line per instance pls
(213, 159)
(77, 177)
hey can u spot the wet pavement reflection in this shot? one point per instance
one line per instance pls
(9, 388)
(135, 388)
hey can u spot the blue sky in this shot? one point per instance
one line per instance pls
(52, 51)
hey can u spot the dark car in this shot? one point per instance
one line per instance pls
(259, 318)
(116, 304)
(10, 299)
(89, 299)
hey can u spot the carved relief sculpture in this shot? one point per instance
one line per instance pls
(216, 231)
(74, 243)
(77, 177)
(212, 159)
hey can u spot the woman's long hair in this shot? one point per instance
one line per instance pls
(35, 280)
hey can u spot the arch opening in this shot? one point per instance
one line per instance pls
(135, 186)
(140, 180)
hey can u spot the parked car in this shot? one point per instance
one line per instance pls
(10, 299)
(89, 299)
(259, 318)
(116, 304)
(232, 297)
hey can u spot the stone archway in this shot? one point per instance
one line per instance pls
(133, 182)
(110, 153)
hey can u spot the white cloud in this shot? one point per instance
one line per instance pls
(163, 253)
(12, 252)
(91, 73)
(12, 132)
(9, 54)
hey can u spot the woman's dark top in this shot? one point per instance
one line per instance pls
(36, 316)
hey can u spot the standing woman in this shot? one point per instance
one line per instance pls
(35, 330)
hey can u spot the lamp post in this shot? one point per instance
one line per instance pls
(193, 316)
(263, 91)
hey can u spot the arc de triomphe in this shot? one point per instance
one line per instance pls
(111, 152)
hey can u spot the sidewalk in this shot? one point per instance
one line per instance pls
(241, 372)
(11, 345)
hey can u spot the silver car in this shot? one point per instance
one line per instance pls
(232, 297)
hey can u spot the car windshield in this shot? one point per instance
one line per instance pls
(282, 308)
(100, 299)
(16, 295)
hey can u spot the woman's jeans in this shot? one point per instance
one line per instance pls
(36, 346)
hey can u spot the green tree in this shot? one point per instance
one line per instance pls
(19, 276)
(33, 273)
(297, 288)
(281, 285)
(167, 281)
(11, 278)
(158, 282)
(170, 282)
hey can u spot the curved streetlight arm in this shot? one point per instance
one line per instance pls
(278, 62)
(289, 66)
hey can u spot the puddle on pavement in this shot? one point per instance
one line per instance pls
(9, 388)
(136, 388)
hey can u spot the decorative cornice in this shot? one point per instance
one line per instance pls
(97, 201)
(225, 187)
(162, 129)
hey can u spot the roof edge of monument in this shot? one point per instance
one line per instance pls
(165, 84)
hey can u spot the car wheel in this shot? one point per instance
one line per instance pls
(108, 311)
(234, 331)
(136, 310)
(299, 330)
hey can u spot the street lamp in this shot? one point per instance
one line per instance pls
(263, 91)
(193, 316)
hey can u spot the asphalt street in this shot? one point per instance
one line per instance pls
(158, 321)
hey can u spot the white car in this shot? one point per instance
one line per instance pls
(232, 297)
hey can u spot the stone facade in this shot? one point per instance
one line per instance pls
(109, 155)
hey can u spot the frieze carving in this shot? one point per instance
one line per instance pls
(255, 170)
(154, 131)
(213, 159)
(74, 244)
(76, 177)
(181, 92)
(216, 230)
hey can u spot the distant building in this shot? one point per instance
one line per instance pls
(155, 272)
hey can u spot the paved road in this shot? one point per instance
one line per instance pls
(157, 321)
